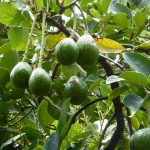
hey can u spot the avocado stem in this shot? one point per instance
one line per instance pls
(43, 39)
(29, 39)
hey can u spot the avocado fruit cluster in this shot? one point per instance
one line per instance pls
(84, 51)
(38, 81)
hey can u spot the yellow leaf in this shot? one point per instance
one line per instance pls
(109, 46)
(53, 39)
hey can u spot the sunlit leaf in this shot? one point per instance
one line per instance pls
(136, 78)
(53, 39)
(109, 46)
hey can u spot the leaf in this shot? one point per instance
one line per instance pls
(39, 4)
(108, 45)
(105, 5)
(133, 102)
(10, 141)
(18, 38)
(95, 13)
(4, 107)
(53, 143)
(121, 20)
(116, 7)
(113, 78)
(5, 48)
(9, 60)
(53, 39)
(9, 14)
(32, 133)
(4, 76)
(43, 116)
(138, 62)
(145, 45)
(63, 115)
(117, 92)
(65, 130)
(133, 77)
(140, 18)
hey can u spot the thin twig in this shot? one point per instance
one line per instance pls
(117, 64)
(20, 119)
(85, 107)
(85, 23)
(129, 122)
(55, 71)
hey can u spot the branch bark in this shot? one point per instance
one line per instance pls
(117, 105)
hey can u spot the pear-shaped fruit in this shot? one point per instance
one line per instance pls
(76, 90)
(20, 74)
(88, 51)
(140, 140)
(40, 82)
(66, 51)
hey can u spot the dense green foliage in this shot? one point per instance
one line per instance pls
(58, 89)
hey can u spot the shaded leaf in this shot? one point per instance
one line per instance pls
(53, 143)
(9, 60)
(43, 116)
(138, 62)
(32, 133)
(133, 102)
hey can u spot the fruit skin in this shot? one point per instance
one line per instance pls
(76, 90)
(88, 51)
(140, 140)
(66, 51)
(40, 82)
(20, 74)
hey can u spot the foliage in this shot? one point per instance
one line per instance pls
(118, 82)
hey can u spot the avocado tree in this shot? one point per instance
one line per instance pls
(74, 74)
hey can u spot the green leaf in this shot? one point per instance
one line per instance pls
(116, 7)
(32, 133)
(83, 4)
(94, 13)
(105, 5)
(4, 76)
(118, 91)
(4, 107)
(112, 79)
(43, 116)
(133, 77)
(63, 115)
(18, 38)
(5, 48)
(105, 89)
(53, 143)
(39, 4)
(138, 62)
(121, 20)
(9, 14)
(140, 18)
(133, 102)
(9, 60)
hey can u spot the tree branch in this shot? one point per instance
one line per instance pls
(61, 27)
(85, 107)
(117, 105)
